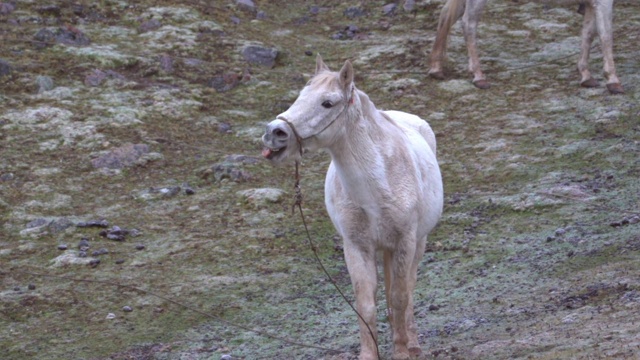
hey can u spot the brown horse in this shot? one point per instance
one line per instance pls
(598, 16)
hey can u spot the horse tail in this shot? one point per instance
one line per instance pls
(451, 12)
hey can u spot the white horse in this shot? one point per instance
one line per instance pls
(598, 17)
(383, 191)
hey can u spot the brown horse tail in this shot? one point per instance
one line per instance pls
(451, 12)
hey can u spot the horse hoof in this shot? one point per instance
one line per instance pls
(590, 83)
(615, 88)
(482, 84)
(438, 75)
(415, 351)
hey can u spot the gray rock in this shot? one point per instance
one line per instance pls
(246, 5)
(354, 12)
(5, 68)
(224, 82)
(63, 35)
(150, 25)
(59, 225)
(409, 5)
(7, 8)
(45, 83)
(389, 9)
(261, 197)
(121, 157)
(259, 55)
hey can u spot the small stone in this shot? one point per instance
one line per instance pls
(409, 5)
(226, 357)
(37, 223)
(189, 191)
(560, 231)
(354, 12)
(150, 25)
(121, 157)
(99, 252)
(83, 244)
(140, 247)
(550, 238)
(17, 288)
(134, 232)
(634, 219)
(115, 237)
(389, 9)
(7, 177)
(62, 247)
(166, 63)
(7, 8)
(308, 52)
(434, 307)
(224, 82)
(93, 223)
(224, 128)
(570, 253)
(111, 316)
(59, 225)
(127, 309)
(31, 287)
(120, 261)
(45, 83)
(94, 263)
(82, 254)
(246, 5)
(5, 68)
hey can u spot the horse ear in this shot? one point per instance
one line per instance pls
(346, 74)
(320, 65)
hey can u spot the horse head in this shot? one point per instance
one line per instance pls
(307, 124)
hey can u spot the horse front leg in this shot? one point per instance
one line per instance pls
(362, 270)
(588, 33)
(470, 21)
(604, 24)
(400, 298)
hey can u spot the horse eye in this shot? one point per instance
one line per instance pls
(327, 104)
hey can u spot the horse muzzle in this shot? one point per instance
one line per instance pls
(276, 139)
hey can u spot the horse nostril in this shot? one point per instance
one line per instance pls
(280, 133)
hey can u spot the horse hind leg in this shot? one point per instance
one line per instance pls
(470, 21)
(604, 24)
(451, 12)
(588, 33)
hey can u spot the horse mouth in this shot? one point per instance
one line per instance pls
(269, 153)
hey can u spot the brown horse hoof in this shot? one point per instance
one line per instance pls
(482, 84)
(615, 88)
(590, 83)
(438, 75)
(415, 351)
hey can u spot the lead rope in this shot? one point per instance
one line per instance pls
(298, 203)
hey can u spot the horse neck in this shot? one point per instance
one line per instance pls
(357, 153)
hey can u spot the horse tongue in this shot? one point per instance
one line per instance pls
(266, 152)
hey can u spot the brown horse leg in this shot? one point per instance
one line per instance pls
(470, 21)
(451, 12)
(604, 22)
(588, 33)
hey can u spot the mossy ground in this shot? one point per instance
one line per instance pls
(533, 155)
